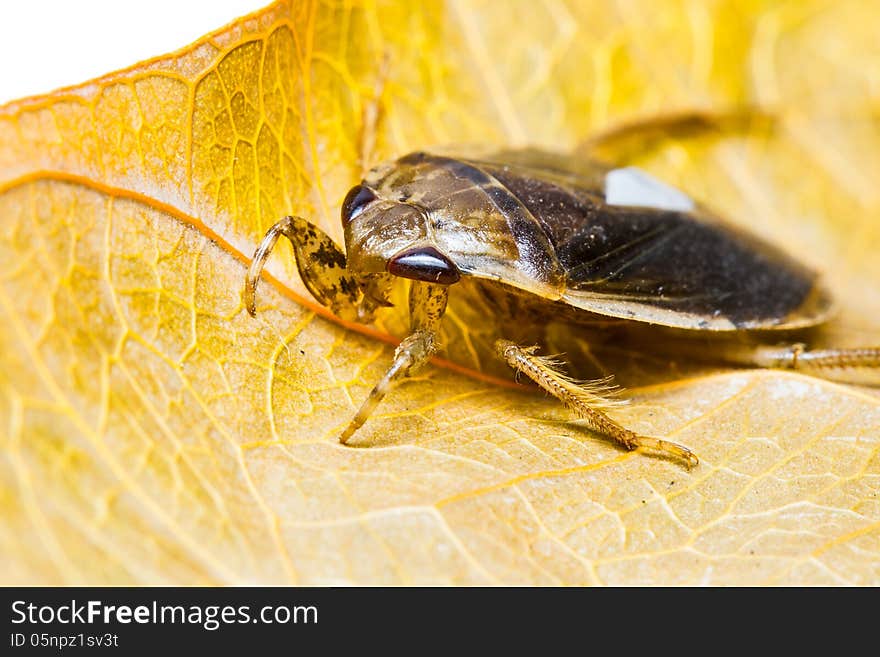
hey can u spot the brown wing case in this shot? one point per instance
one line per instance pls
(683, 269)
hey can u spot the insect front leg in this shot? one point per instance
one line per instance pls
(587, 399)
(427, 303)
(322, 267)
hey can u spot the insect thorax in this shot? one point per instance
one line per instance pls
(454, 208)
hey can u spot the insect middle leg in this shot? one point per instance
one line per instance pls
(427, 303)
(586, 399)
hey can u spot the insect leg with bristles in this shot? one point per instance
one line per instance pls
(589, 400)
(846, 365)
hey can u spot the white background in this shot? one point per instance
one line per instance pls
(46, 44)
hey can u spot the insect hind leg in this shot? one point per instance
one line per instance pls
(587, 399)
(846, 365)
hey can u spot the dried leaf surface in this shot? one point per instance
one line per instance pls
(154, 433)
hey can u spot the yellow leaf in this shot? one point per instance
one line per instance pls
(154, 433)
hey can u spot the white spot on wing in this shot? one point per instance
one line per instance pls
(632, 186)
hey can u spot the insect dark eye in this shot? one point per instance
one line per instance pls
(356, 202)
(424, 263)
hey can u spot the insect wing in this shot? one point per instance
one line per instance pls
(686, 269)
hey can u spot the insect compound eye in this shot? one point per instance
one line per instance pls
(424, 263)
(356, 201)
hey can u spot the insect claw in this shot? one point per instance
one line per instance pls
(256, 267)
(673, 450)
(345, 435)
(250, 300)
(250, 287)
